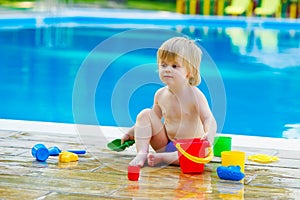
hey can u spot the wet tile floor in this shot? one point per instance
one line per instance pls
(102, 174)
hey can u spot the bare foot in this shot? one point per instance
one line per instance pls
(167, 158)
(139, 160)
(154, 159)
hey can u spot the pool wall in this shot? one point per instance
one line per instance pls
(108, 17)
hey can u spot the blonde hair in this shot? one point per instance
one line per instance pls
(185, 49)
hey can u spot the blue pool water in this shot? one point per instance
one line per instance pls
(260, 70)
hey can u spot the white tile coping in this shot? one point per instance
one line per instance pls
(50, 127)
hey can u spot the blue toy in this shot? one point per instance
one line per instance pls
(54, 151)
(41, 152)
(77, 151)
(232, 173)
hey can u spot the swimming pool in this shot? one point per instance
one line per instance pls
(257, 61)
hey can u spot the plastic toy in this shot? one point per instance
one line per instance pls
(196, 159)
(77, 151)
(54, 151)
(232, 173)
(192, 154)
(133, 173)
(66, 156)
(233, 158)
(221, 143)
(263, 158)
(116, 145)
(40, 152)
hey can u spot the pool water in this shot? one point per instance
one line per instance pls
(260, 69)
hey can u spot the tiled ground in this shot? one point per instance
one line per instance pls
(101, 174)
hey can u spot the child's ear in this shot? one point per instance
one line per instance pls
(191, 80)
(188, 75)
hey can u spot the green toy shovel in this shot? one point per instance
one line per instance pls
(116, 145)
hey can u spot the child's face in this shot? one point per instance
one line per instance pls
(173, 71)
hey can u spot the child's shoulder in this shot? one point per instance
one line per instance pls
(161, 91)
(197, 91)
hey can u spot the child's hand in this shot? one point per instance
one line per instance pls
(129, 135)
(204, 136)
(210, 139)
(124, 138)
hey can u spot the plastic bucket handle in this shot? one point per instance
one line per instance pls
(194, 158)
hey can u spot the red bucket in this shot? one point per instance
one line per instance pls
(190, 152)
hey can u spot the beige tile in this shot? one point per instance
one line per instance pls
(102, 174)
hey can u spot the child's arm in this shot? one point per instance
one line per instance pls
(207, 118)
(156, 108)
(210, 128)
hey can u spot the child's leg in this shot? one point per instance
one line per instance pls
(168, 158)
(148, 129)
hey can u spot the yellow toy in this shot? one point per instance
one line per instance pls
(196, 159)
(263, 158)
(192, 154)
(66, 156)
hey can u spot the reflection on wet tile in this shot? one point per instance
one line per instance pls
(230, 190)
(64, 196)
(195, 186)
(8, 192)
(102, 174)
(68, 165)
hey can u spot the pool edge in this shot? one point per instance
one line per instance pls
(64, 128)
